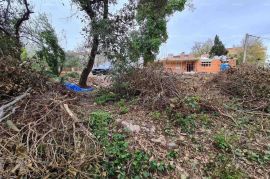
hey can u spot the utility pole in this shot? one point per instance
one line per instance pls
(245, 48)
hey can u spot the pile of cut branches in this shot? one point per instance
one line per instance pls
(44, 138)
(250, 83)
(41, 136)
(157, 88)
(16, 78)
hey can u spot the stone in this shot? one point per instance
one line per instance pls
(161, 140)
(172, 145)
(130, 127)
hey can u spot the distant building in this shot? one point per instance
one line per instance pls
(185, 63)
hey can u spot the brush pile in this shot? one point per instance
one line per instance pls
(157, 88)
(16, 78)
(44, 138)
(250, 83)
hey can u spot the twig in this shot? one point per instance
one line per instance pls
(76, 119)
(8, 105)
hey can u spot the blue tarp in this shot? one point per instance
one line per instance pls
(224, 66)
(76, 88)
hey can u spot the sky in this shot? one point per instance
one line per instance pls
(230, 19)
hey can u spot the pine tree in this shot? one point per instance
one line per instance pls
(218, 49)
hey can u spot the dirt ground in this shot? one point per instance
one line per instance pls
(234, 143)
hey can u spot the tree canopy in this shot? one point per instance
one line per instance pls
(50, 50)
(218, 48)
(13, 15)
(152, 21)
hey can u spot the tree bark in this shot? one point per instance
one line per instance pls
(86, 71)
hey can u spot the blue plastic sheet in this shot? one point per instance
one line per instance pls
(76, 88)
(224, 66)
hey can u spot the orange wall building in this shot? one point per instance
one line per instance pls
(189, 63)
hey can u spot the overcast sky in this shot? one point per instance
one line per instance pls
(230, 19)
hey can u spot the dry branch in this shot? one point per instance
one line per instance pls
(9, 106)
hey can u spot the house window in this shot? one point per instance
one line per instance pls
(206, 64)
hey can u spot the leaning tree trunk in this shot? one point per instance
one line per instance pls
(86, 71)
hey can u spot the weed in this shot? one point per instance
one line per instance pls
(155, 115)
(123, 108)
(223, 167)
(187, 123)
(106, 97)
(168, 129)
(205, 119)
(99, 122)
(224, 141)
(193, 102)
(172, 155)
(261, 158)
(119, 161)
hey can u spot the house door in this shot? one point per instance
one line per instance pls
(190, 67)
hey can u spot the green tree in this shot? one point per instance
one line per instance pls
(50, 50)
(218, 49)
(13, 15)
(256, 52)
(108, 31)
(152, 20)
(98, 12)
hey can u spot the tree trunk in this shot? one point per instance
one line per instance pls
(86, 71)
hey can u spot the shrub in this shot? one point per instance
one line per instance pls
(105, 97)
(72, 75)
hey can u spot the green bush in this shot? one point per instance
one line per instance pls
(72, 75)
(105, 97)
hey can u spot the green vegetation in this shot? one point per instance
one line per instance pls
(120, 161)
(172, 155)
(105, 97)
(192, 102)
(152, 20)
(72, 75)
(261, 158)
(123, 108)
(218, 48)
(51, 51)
(223, 167)
(187, 123)
(224, 141)
(155, 115)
